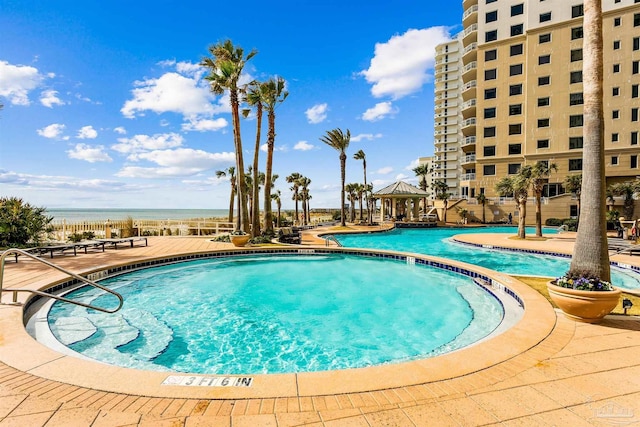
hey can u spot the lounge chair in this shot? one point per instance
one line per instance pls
(289, 235)
(130, 240)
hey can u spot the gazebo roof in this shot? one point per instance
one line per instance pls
(401, 189)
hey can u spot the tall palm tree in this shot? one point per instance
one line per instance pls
(252, 95)
(225, 67)
(482, 200)
(539, 177)
(273, 93)
(339, 141)
(360, 191)
(573, 184)
(294, 179)
(423, 171)
(231, 173)
(303, 183)
(350, 189)
(441, 189)
(518, 186)
(276, 196)
(591, 252)
(359, 155)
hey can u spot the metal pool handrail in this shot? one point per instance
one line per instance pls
(14, 251)
(333, 239)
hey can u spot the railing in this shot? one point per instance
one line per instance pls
(48, 295)
(468, 177)
(473, 9)
(328, 239)
(469, 140)
(472, 84)
(470, 29)
(472, 46)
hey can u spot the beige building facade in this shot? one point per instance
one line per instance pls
(521, 96)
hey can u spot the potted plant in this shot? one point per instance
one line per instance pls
(583, 297)
(239, 238)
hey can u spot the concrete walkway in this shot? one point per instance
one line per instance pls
(577, 375)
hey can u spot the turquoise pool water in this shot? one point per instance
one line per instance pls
(437, 242)
(278, 313)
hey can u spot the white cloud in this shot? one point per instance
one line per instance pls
(379, 112)
(49, 182)
(87, 132)
(401, 65)
(175, 163)
(401, 177)
(265, 148)
(53, 131)
(317, 113)
(16, 81)
(303, 146)
(203, 125)
(367, 136)
(384, 171)
(414, 164)
(141, 143)
(49, 98)
(89, 154)
(120, 130)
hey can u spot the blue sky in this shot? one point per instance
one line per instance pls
(105, 106)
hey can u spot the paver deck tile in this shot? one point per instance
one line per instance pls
(430, 415)
(267, 406)
(359, 421)
(253, 407)
(78, 417)
(34, 405)
(467, 412)
(290, 419)
(9, 403)
(202, 421)
(263, 420)
(37, 419)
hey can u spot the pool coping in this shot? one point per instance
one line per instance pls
(22, 352)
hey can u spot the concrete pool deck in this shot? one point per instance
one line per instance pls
(573, 374)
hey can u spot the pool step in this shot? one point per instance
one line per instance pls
(71, 330)
(154, 337)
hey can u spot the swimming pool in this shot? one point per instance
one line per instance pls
(279, 313)
(437, 242)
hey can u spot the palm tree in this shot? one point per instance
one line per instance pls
(573, 184)
(359, 155)
(276, 196)
(539, 177)
(442, 193)
(253, 97)
(273, 93)
(350, 189)
(303, 183)
(518, 186)
(482, 200)
(627, 190)
(360, 191)
(294, 179)
(591, 252)
(231, 172)
(225, 67)
(338, 140)
(423, 171)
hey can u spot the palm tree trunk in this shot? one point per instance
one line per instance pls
(484, 220)
(271, 137)
(255, 207)
(343, 172)
(522, 208)
(538, 214)
(233, 194)
(591, 253)
(243, 214)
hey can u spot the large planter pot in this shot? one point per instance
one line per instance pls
(584, 306)
(240, 239)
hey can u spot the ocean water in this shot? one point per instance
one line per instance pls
(116, 214)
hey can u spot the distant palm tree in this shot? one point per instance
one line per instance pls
(627, 190)
(339, 141)
(518, 187)
(482, 199)
(276, 196)
(423, 172)
(591, 251)
(273, 93)
(573, 184)
(359, 155)
(303, 183)
(441, 189)
(294, 179)
(252, 95)
(539, 177)
(231, 173)
(360, 191)
(350, 189)
(225, 67)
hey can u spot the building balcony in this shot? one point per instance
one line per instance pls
(469, 126)
(469, 158)
(470, 35)
(470, 53)
(469, 108)
(469, 90)
(468, 141)
(467, 177)
(470, 15)
(468, 3)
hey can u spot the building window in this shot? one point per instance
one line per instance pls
(614, 137)
(634, 138)
(615, 114)
(576, 55)
(636, 43)
(490, 74)
(573, 211)
(514, 168)
(515, 70)
(577, 33)
(515, 129)
(615, 91)
(575, 121)
(490, 113)
(491, 1)
(543, 123)
(517, 9)
(490, 132)
(545, 17)
(575, 164)
(544, 80)
(490, 93)
(633, 161)
(634, 114)
(634, 91)
(491, 16)
(515, 49)
(543, 102)
(635, 66)
(614, 160)
(544, 59)
(543, 143)
(491, 55)
(577, 10)
(616, 22)
(515, 109)
(515, 149)
(576, 98)
(515, 89)
(490, 151)
(544, 38)
(489, 170)
(616, 44)
(616, 68)
(575, 77)
(516, 30)
(490, 36)
(636, 19)
(575, 142)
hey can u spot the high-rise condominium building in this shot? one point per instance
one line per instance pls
(509, 93)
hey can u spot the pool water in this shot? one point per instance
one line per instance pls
(437, 242)
(278, 313)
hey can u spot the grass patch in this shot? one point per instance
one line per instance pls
(540, 285)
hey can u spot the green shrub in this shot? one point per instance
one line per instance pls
(572, 224)
(554, 222)
(21, 223)
(75, 237)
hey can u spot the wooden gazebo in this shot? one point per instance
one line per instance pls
(400, 201)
